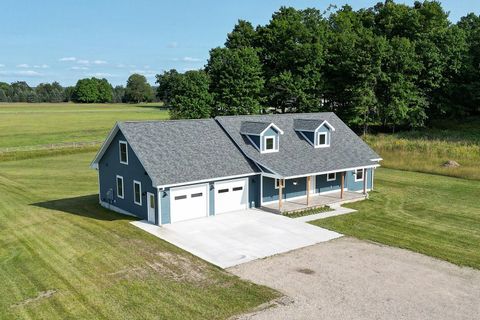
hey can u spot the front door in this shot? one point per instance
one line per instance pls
(151, 207)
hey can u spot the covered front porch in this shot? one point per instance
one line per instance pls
(299, 193)
(315, 200)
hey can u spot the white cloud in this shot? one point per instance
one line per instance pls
(121, 65)
(41, 66)
(188, 59)
(189, 69)
(79, 68)
(99, 62)
(2, 65)
(172, 45)
(68, 59)
(102, 75)
(23, 73)
(81, 61)
(22, 65)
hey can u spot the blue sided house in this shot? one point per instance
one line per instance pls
(170, 171)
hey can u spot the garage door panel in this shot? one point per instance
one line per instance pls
(188, 202)
(231, 195)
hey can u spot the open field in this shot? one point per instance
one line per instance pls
(63, 256)
(431, 214)
(426, 150)
(38, 124)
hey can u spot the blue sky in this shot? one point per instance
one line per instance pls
(43, 41)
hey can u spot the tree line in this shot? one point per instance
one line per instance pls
(388, 66)
(88, 90)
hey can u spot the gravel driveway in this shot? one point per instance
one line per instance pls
(348, 278)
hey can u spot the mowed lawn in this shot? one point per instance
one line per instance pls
(63, 256)
(435, 215)
(37, 124)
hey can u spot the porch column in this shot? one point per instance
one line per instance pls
(308, 191)
(341, 184)
(280, 197)
(364, 181)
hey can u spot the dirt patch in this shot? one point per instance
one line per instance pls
(305, 271)
(275, 303)
(173, 266)
(450, 164)
(41, 295)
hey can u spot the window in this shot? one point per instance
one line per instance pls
(222, 190)
(322, 140)
(237, 189)
(359, 175)
(123, 152)
(269, 144)
(196, 195)
(120, 187)
(181, 197)
(152, 201)
(137, 192)
(332, 176)
(279, 183)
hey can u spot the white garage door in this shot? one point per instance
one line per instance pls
(231, 195)
(188, 202)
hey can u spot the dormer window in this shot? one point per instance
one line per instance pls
(322, 139)
(264, 136)
(317, 132)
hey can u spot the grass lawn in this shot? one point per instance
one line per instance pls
(435, 215)
(38, 124)
(426, 150)
(63, 256)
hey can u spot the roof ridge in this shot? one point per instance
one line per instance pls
(274, 114)
(168, 120)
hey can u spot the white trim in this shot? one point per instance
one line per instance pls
(317, 140)
(337, 170)
(140, 184)
(207, 180)
(363, 174)
(321, 124)
(313, 182)
(123, 187)
(373, 171)
(334, 177)
(103, 148)
(263, 144)
(300, 197)
(376, 159)
(271, 125)
(253, 143)
(116, 209)
(122, 142)
(261, 190)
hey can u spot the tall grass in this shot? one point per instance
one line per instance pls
(427, 150)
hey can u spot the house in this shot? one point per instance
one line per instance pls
(169, 171)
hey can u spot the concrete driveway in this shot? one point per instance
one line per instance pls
(352, 279)
(233, 238)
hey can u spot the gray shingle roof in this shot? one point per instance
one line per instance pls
(307, 124)
(253, 127)
(185, 150)
(296, 156)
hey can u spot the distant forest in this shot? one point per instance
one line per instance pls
(390, 66)
(89, 90)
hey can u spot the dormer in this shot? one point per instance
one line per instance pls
(264, 136)
(317, 132)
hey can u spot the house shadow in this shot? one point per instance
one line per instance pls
(85, 206)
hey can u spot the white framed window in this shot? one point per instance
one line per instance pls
(322, 139)
(358, 175)
(137, 192)
(269, 144)
(123, 152)
(120, 187)
(332, 176)
(279, 183)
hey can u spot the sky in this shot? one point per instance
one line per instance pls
(66, 40)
